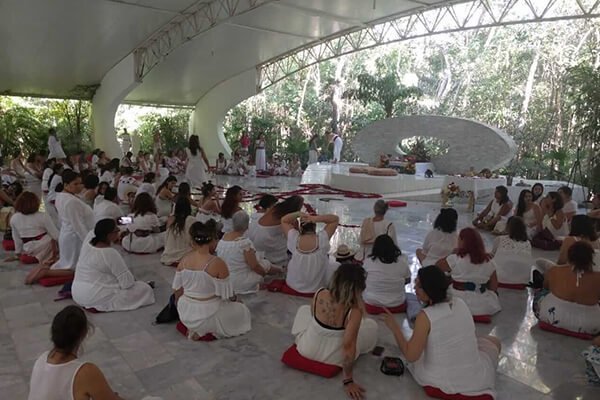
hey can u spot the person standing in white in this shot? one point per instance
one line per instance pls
(58, 374)
(55, 149)
(313, 151)
(338, 144)
(102, 279)
(125, 141)
(261, 154)
(197, 163)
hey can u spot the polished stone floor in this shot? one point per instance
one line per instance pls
(141, 359)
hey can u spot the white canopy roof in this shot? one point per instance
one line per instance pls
(56, 48)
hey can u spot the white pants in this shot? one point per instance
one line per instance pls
(337, 150)
(313, 156)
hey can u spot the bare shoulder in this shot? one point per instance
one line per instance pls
(218, 268)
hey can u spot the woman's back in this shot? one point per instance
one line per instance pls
(271, 240)
(53, 381)
(327, 312)
(564, 284)
(307, 267)
(463, 270)
(385, 282)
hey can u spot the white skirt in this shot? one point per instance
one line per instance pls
(485, 303)
(261, 160)
(220, 317)
(313, 156)
(568, 315)
(40, 249)
(69, 245)
(149, 244)
(108, 299)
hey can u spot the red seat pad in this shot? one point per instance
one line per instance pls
(396, 203)
(55, 280)
(27, 259)
(483, 319)
(555, 329)
(279, 285)
(8, 245)
(515, 286)
(439, 394)
(380, 310)
(295, 360)
(181, 328)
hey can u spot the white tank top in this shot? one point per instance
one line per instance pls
(53, 381)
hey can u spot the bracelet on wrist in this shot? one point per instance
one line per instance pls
(348, 381)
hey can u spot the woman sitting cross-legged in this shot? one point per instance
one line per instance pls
(494, 216)
(388, 272)
(58, 374)
(178, 242)
(571, 293)
(204, 292)
(144, 233)
(443, 351)
(231, 205)
(374, 226)
(582, 230)
(473, 273)
(108, 207)
(530, 212)
(512, 253)
(102, 279)
(165, 196)
(267, 233)
(246, 267)
(307, 268)
(332, 330)
(554, 224)
(440, 241)
(209, 207)
(34, 232)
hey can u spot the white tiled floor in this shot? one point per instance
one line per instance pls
(140, 358)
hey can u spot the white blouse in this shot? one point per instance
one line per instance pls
(385, 282)
(30, 226)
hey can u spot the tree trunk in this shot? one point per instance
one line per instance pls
(336, 95)
(529, 88)
(302, 96)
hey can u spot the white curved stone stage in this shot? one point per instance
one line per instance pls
(338, 176)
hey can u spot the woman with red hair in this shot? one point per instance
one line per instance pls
(473, 274)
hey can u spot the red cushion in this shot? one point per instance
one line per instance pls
(483, 319)
(515, 286)
(92, 310)
(379, 310)
(279, 285)
(439, 394)
(551, 328)
(293, 359)
(396, 203)
(181, 328)
(55, 280)
(8, 245)
(26, 259)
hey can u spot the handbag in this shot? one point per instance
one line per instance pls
(392, 366)
(169, 313)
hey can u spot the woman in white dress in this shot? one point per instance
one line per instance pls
(55, 149)
(178, 242)
(102, 279)
(512, 253)
(205, 296)
(570, 206)
(554, 223)
(147, 185)
(266, 202)
(197, 163)
(440, 241)
(444, 351)
(267, 234)
(538, 193)
(372, 227)
(260, 160)
(530, 212)
(494, 216)
(307, 269)
(55, 185)
(144, 234)
(34, 232)
(332, 330)
(209, 207)
(90, 189)
(165, 196)
(571, 295)
(387, 274)
(246, 268)
(474, 274)
(108, 207)
(58, 374)
(313, 150)
(231, 205)
(77, 220)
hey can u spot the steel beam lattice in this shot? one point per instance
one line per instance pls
(448, 18)
(197, 19)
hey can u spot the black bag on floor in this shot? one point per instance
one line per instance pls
(169, 313)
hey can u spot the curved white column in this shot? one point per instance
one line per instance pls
(210, 111)
(115, 85)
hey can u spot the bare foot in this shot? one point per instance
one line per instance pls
(35, 275)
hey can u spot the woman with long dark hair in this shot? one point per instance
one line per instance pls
(473, 273)
(102, 279)
(444, 351)
(231, 205)
(197, 163)
(441, 240)
(512, 253)
(530, 212)
(178, 241)
(165, 196)
(498, 210)
(210, 208)
(538, 193)
(555, 226)
(144, 233)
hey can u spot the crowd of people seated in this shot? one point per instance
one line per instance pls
(220, 251)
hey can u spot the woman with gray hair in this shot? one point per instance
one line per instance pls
(246, 267)
(374, 226)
